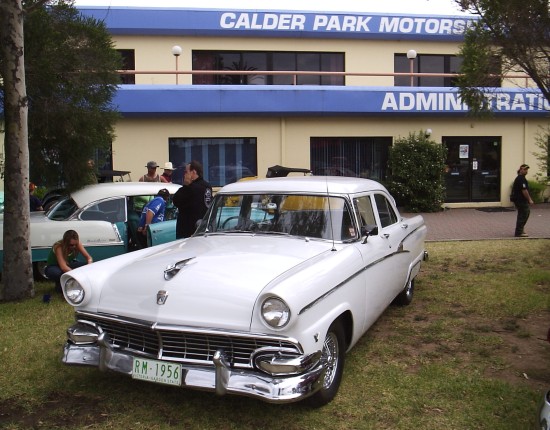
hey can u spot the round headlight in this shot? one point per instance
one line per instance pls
(275, 312)
(74, 291)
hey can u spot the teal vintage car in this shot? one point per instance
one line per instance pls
(106, 218)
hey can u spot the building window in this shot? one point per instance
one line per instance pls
(224, 160)
(363, 157)
(128, 63)
(435, 64)
(235, 61)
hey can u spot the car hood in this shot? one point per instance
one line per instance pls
(218, 283)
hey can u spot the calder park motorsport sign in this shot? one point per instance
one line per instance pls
(183, 21)
(345, 23)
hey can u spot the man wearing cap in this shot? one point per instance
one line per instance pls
(522, 199)
(151, 175)
(168, 170)
(152, 213)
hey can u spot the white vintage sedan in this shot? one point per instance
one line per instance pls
(281, 278)
(105, 217)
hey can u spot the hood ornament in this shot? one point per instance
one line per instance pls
(173, 269)
(162, 295)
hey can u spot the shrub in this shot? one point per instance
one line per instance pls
(416, 179)
(536, 191)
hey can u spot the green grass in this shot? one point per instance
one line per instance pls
(453, 359)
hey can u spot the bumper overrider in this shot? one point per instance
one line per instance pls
(274, 377)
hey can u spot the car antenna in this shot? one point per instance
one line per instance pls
(330, 216)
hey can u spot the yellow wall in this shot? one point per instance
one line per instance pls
(286, 141)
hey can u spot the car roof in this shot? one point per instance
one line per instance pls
(96, 192)
(305, 184)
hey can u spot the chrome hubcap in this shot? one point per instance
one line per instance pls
(330, 356)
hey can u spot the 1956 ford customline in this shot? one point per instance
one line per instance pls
(281, 278)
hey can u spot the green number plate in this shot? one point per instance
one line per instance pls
(156, 371)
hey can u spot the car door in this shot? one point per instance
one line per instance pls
(393, 231)
(379, 274)
(165, 231)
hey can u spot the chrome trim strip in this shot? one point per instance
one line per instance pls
(81, 316)
(400, 249)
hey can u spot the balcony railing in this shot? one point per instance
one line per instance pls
(296, 74)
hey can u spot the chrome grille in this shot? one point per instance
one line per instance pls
(185, 345)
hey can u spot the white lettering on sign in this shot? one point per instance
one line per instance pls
(451, 102)
(345, 23)
(350, 23)
(258, 21)
(423, 25)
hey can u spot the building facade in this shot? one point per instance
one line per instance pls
(244, 90)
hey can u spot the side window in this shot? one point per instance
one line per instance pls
(365, 213)
(385, 210)
(107, 210)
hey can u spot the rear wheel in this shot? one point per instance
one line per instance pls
(405, 297)
(333, 355)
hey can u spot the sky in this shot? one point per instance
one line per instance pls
(421, 7)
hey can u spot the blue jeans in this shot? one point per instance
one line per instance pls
(54, 272)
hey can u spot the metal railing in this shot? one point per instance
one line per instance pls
(296, 74)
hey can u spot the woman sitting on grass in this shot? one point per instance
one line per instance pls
(63, 257)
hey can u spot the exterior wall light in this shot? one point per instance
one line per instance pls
(411, 55)
(176, 52)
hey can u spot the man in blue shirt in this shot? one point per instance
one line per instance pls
(152, 213)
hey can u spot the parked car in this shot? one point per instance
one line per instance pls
(105, 217)
(281, 278)
(221, 175)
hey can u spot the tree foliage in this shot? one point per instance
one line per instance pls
(514, 32)
(71, 79)
(542, 141)
(416, 180)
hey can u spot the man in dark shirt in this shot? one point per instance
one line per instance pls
(522, 200)
(192, 200)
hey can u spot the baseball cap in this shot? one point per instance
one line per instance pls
(152, 165)
(164, 193)
(524, 166)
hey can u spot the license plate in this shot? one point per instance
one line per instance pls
(157, 371)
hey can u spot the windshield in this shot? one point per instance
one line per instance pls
(62, 210)
(295, 215)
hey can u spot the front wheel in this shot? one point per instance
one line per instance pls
(333, 354)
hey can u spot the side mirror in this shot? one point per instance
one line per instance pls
(368, 230)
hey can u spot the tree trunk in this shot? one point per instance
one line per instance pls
(17, 267)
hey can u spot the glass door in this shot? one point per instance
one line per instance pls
(473, 169)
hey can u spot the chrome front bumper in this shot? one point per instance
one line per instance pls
(219, 378)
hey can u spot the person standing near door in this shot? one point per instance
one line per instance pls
(522, 199)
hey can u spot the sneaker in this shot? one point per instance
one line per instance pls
(522, 235)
